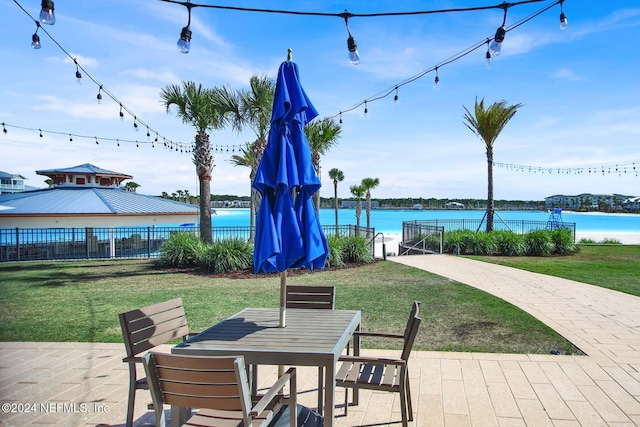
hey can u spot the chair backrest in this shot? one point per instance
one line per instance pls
(322, 297)
(150, 326)
(412, 331)
(415, 311)
(199, 382)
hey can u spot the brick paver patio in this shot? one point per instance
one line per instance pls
(85, 384)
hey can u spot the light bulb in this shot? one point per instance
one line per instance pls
(46, 14)
(496, 44)
(488, 56)
(563, 21)
(35, 41)
(79, 77)
(184, 43)
(354, 55)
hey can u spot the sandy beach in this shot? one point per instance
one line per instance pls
(391, 241)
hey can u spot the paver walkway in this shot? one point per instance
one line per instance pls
(85, 384)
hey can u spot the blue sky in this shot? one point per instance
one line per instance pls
(580, 90)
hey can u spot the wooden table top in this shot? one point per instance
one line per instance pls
(311, 338)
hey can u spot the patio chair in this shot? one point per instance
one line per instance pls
(315, 297)
(220, 388)
(145, 328)
(321, 297)
(383, 373)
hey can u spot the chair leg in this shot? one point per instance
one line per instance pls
(403, 406)
(132, 395)
(408, 397)
(320, 389)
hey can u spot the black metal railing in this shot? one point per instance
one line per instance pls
(40, 244)
(516, 226)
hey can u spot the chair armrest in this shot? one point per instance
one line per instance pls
(132, 359)
(377, 334)
(289, 376)
(371, 359)
(189, 335)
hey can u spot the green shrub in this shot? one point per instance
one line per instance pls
(225, 256)
(539, 243)
(563, 241)
(336, 251)
(484, 244)
(586, 241)
(610, 241)
(357, 249)
(464, 238)
(182, 249)
(509, 243)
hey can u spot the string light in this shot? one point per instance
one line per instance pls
(620, 169)
(354, 55)
(35, 38)
(48, 5)
(395, 98)
(135, 123)
(496, 45)
(366, 110)
(78, 75)
(387, 92)
(436, 81)
(46, 13)
(99, 96)
(184, 42)
(71, 135)
(488, 55)
(563, 18)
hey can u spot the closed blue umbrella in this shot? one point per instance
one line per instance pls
(288, 232)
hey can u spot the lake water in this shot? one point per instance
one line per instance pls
(390, 221)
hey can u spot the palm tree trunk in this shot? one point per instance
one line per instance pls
(358, 214)
(206, 233)
(368, 210)
(490, 209)
(335, 198)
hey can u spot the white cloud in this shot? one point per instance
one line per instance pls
(83, 61)
(567, 74)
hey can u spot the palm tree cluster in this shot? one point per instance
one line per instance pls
(243, 109)
(360, 191)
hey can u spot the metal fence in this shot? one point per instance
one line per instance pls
(40, 244)
(516, 226)
(421, 238)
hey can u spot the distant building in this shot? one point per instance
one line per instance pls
(89, 196)
(454, 205)
(11, 183)
(351, 204)
(590, 201)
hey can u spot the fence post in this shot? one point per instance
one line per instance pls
(149, 242)
(17, 244)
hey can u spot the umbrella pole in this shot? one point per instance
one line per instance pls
(283, 296)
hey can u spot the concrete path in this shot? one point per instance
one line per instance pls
(85, 384)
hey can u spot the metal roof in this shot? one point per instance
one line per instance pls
(69, 201)
(86, 168)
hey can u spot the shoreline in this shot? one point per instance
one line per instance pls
(392, 240)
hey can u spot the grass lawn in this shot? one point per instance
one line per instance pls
(615, 267)
(80, 301)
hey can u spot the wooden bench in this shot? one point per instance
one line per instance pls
(146, 328)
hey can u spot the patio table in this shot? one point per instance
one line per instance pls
(311, 338)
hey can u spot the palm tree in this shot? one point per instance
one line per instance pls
(197, 106)
(246, 158)
(322, 135)
(369, 184)
(358, 192)
(180, 195)
(251, 108)
(187, 196)
(131, 186)
(165, 195)
(49, 182)
(487, 125)
(337, 176)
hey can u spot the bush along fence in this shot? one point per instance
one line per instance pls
(41, 244)
(509, 238)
